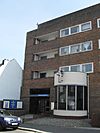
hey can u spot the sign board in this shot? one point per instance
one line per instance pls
(12, 104)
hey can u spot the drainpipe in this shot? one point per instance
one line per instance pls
(88, 94)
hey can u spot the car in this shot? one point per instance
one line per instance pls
(8, 120)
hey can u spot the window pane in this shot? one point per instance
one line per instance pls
(86, 46)
(62, 97)
(87, 68)
(43, 57)
(79, 97)
(75, 48)
(74, 29)
(98, 22)
(75, 68)
(65, 32)
(99, 43)
(71, 98)
(64, 50)
(42, 75)
(65, 69)
(85, 98)
(85, 26)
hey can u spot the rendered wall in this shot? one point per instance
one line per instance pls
(10, 80)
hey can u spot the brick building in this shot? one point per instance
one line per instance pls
(62, 65)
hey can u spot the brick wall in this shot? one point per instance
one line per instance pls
(85, 15)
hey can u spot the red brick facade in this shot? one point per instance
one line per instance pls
(76, 18)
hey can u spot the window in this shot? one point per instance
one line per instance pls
(75, 68)
(37, 41)
(34, 74)
(64, 50)
(98, 23)
(79, 97)
(65, 69)
(74, 29)
(43, 57)
(75, 48)
(86, 46)
(71, 98)
(62, 97)
(86, 26)
(99, 43)
(64, 32)
(87, 67)
(36, 57)
(42, 75)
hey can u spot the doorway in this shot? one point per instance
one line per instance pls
(39, 105)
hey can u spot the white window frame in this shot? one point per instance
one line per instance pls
(62, 67)
(98, 22)
(80, 67)
(64, 30)
(61, 54)
(99, 44)
(80, 49)
(76, 66)
(86, 29)
(92, 66)
(87, 49)
(74, 27)
(74, 46)
(80, 29)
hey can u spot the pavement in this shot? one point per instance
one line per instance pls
(49, 124)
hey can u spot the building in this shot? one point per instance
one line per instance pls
(62, 65)
(10, 80)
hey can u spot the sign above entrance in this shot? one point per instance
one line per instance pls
(39, 95)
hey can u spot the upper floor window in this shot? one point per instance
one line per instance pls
(99, 43)
(34, 74)
(76, 29)
(43, 75)
(98, 23)
(65, 69)
(43, 57)
(86, 26)
(76, 48)
(64, 50)
(64, 32)
(86, 46)
(86, 67)
(75, 68)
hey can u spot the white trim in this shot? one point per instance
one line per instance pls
(98, 43)
(80, 67)
(80, 50)
(86, 23)
(80, 30)
(98, 23)
(74, 27)
(70, 113)
(75, 97)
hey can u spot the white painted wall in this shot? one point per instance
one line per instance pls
(70, 78)
(70, 113)
(10, 80)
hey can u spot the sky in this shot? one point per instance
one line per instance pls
(17, 17)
